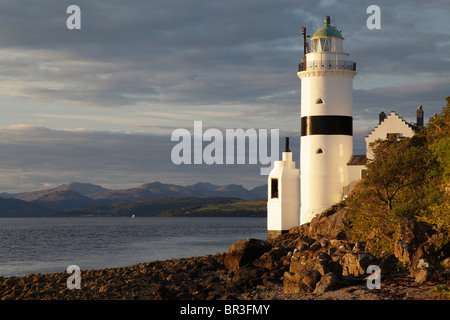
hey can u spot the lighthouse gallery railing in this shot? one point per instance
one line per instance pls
(327, 65)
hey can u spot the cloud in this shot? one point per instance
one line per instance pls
(159, 65)
(219, 53)
(36, 157)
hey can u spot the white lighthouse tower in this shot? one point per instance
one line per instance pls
(326, 121)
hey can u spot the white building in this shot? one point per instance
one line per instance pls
(326, 121)
(392, 125)
(328, 169)
(283, 190)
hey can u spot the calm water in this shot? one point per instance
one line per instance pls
(45, 245)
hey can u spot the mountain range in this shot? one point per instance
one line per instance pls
(75, 195)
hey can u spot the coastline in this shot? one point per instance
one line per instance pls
(203, 278)
(312, 262)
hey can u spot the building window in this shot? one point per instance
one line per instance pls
(393, 136)
(274, 188)
(363, 174)
(319, 101)
(319, 151)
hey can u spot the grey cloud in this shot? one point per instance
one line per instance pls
(238, 56)
(404, 99)
(34, 157)
(205, 52)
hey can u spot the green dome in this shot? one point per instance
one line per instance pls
(327, 30)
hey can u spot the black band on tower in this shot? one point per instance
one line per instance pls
(340, 125)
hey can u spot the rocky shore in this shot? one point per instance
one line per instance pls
(312, 262)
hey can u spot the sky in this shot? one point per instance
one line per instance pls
(99, 104)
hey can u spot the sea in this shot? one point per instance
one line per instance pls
(51, 244)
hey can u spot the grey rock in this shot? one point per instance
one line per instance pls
(328, 282)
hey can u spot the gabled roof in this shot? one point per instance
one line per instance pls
(393, 114)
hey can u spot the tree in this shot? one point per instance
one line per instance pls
(392, 190)
(408, 178)
(437, 134)
(397, 165)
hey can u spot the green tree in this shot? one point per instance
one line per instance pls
(408, 177)
(437, 134)
(393, 189)
(398, 166)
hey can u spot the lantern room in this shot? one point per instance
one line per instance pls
(327, 39)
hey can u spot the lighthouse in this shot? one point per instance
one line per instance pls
(326, 112)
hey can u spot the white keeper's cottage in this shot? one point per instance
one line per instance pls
(392, 125)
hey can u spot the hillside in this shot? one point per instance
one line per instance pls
(63, 199)
(81, 188)
(89, 199)
(15, 208)
(157, 190)
(241, 208)
(146, 208)
(75, 194)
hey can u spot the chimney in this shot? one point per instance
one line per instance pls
(382, 116)
(286, 149)
(419, 116)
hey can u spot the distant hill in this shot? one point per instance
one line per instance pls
(15, 208)
(79, 195)
(145, 208)
(241, 208)
(63, 199)
(157, 190)
(81, 188)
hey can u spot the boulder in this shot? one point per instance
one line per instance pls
(306, 269)
(338, 248)
(422, 275)
(300, 282)
(413, 243)
(415, 232)
(304, 243)
(310, 278)
(359, 247)
(356, 263)
(329, 223)
(304, 261)
(423, 271)
(446, 263)
(244, 252)
(403, 251)
(326, 283)
(272, 259)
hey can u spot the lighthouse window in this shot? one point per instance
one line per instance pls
(319, 151)
(319, 101)
(314, 45)
(325, 44)
(274, 188)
